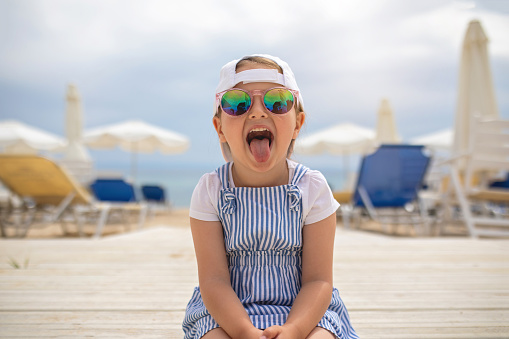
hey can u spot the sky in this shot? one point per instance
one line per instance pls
(159, 61)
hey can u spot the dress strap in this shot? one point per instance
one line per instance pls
(300, 170)
(227, 203)
(224, 175)
(294, 192)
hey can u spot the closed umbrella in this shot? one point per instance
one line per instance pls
(136, 136)
(75, 150)
(386, 131)
(17, 137)
(476, 94)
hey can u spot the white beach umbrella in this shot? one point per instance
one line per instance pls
(17, 137)
(136, 136)
(440, 140)
(386, 132)
(75, 150)
(476, 95)
(343, 139)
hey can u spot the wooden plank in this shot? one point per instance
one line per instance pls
(363, 318)
(369, 323)
(138, 284)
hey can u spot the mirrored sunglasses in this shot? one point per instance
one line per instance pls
(277, 100)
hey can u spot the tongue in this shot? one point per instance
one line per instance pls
(260, 149)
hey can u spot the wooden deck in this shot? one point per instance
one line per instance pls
(136, 285)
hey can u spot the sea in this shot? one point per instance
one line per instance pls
(179, 183)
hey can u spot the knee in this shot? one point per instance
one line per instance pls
(320, 333)
(216, 333)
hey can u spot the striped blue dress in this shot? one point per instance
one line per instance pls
(262, 229)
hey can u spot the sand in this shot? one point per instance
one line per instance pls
(179, 217)
(175, 217)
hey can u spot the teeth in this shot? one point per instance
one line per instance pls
(259, 130)
(259, 133)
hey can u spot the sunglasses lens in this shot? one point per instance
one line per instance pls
(235, 102)
(278, 100)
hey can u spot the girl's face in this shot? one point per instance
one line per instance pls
(258, 140)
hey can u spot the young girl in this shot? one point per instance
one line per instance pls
(263, 226)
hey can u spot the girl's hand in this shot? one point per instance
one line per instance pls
(272, 332)
(255, 333)
(281, 332)
(251, 333)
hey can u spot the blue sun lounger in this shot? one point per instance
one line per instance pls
(156, 198)
(154, 193)
(388, 185)
(120, 194)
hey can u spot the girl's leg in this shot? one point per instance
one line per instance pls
(216, 333)
(320, 333)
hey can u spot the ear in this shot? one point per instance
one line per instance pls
(217, 125)
(299, 122)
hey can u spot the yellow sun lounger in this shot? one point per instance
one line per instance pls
(46, 184)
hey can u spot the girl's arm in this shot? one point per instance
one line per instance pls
(218, 295)
(316, 292)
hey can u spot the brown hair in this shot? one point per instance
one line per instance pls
(261, 61)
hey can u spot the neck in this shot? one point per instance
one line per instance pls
(276, 176)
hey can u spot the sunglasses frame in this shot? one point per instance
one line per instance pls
(252, 94)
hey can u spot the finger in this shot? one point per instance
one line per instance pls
(271, 332)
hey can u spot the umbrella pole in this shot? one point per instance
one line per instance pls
(134, 152)
(133, 166)
(346, 171)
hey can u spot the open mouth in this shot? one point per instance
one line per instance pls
(260, 141)
(259, 134)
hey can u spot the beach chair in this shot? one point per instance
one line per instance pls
(482, 200)
(121, 195)
(156, 198)
(387, 187)
(500, 183)
(154, 193)
(47, 192)
(113, 190)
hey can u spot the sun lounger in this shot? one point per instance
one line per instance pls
(46, 188)
(482, 201)
(388, 184)
(121, 195)
(156, 198)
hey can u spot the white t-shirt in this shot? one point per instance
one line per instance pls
(317, 200)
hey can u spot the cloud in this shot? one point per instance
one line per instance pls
(159, 60)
